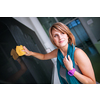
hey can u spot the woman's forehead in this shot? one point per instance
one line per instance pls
(54, 31)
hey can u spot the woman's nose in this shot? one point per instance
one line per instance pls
(60, 36)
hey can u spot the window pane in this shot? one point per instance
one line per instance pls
(73, 23)
(77, 21)
(70, 26)
(46, 23)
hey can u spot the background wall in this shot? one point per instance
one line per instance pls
(92, 26)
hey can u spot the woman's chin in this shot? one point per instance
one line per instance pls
(63, 45)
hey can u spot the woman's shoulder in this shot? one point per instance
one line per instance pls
(78, 50)
(79, 54)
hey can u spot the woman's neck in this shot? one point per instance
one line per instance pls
(64, 50)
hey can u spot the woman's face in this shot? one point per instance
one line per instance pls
(60, 39)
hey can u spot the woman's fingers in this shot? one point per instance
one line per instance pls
(69, 58)
(26, 50)
(65, 59)
(68, 63)
(24, 47)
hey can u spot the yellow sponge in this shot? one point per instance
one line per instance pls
(19, 50)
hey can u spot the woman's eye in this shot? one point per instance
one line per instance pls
(62, 33)
(55, 35)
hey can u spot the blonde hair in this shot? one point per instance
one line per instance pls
(64, 29)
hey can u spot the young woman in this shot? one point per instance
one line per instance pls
(69, 58)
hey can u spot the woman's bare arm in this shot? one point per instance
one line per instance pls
(84, 64)
(40, 56)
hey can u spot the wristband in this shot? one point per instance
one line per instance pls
(71, 72)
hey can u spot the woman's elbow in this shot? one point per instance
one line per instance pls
(91, 82)
(94, 82)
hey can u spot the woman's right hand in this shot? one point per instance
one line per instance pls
(28, 53)
(68, 63)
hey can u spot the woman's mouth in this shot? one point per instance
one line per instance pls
(61, 41)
